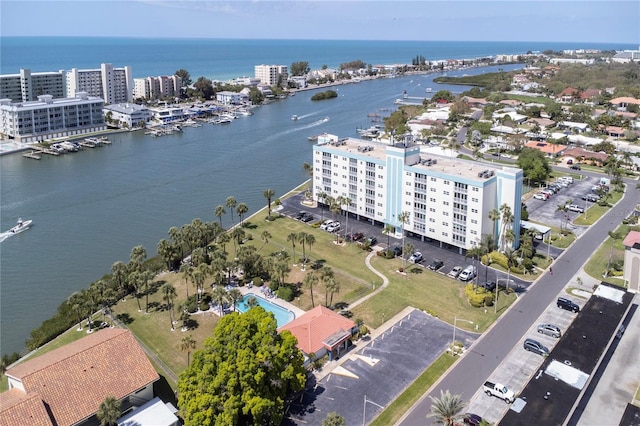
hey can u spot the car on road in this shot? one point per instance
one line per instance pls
(453, 273)
(575, 167)
(326, 224)
(549, 330)
(416, 257)
(540, 196)
(436, 264)
(575, 208)
(535, 347)
(468, 273)
(567, 304)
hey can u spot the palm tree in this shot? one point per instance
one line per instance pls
(219, 212)
(237, 234)
(447, 408)
(308, 168)
(302, 238)
(168, 294)
(512, 260)
(145, 277)
(507, 220)
(234, 296)
(219, 296)
(76, 302)
(404, 220)
(242, 209)
(326, 275)
(293, 238)
(269, 194)
(309, 239)
(109, 411)
(119, 274)
(187, 273)
(309, 280)
(187, 344)
(563, 209)
(166, 250)
(494, 216)
(175, 234)
(388, 229)
(137, 258)
(322, 196)
(265, 236)
(231, 203)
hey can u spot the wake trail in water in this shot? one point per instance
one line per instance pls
(5, 235)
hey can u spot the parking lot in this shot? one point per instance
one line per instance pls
(430, 250)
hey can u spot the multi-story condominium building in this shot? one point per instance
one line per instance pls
(447, 199)
(114, 85)
(272, 74)
(231, 98)
(156, 87)
(49, 118)
(27, 86)
(127, 115)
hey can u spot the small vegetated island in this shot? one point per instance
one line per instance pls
(327, 94)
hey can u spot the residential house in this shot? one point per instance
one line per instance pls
(475, 102)
(574, 127)
(581, 155)
(549, 149)
(568, 95)
(67, 385)
(321, 332)
(632, 261)
(623, 102)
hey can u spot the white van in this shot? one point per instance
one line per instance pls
(467, 273)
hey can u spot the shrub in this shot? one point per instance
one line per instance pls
(191, 304)
(477, 296)
(256, 281)
(285, 293)
(204, 306)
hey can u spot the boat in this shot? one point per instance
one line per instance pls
(22, 225)
(428, 89)
(324, 120)
(294, 117)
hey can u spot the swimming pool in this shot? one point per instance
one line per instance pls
(283, 316)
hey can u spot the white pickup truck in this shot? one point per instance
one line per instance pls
(499, 391)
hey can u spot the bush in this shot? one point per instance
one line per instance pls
(204, 306)
(285, 293)
(191, 304)
(478, 296)
(500, 259)
(256, 281)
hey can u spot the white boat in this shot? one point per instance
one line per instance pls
(324, 120)
(429, 89)
(294, 117)
(22, 225)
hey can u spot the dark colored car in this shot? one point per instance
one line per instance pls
(575, 167)
(397, 250)
(307, 217)
(435, 265)
(567, 304)
(489, 285)
(620, 331)
(471, 419)
(535, 347)
(300, 215)
(355, 236)
(371, 241)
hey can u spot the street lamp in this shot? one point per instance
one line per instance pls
(455, 320)
(364, 409)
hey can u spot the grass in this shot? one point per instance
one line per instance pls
(611, 250)
(392, 413)
(596, 211)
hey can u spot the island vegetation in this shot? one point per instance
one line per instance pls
(327, 94)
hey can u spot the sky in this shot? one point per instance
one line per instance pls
(452, 20)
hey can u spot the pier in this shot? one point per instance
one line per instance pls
(33, 154)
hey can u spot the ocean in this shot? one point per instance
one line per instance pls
(90, 208)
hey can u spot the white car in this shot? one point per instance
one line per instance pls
(334, 227)
(575, 208)
(540, 196)
(416, 257)
(326, 224)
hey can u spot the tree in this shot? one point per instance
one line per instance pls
(231, 203)
(269, 194)
(242, 209)
(119, 274)
(334, 419)
(265, 237)
(534, 165)
(187, 344)
(219, 296)
(299, 68)
(309, 281)
(234, 295)
(184, 76)
(447, 408)
(494, 216)
(388, 229)
(187, 273)
(293, 239)
(404, 220)
(109, 411)
(219, 212)
(243, 374)
(168, 294)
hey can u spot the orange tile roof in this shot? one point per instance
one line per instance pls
(547, 148)
(317, 326)
(632, 238)
(74, 379)
(19, 408)
(624, 100)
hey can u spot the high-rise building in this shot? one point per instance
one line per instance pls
(114, 85)
(272, 74)
(27, 86)
(157, 87)
(443, 199)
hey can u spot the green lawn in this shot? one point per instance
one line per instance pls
(596, 211)
(610, 251)
(392, 413)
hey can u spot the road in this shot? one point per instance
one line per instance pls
(484, 356)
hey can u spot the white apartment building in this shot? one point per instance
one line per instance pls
(127, 115)
(114, 85)
(156, 87)
(49, 118)
(27, 86)
(231, 98)
(448, 199)
(272, 74)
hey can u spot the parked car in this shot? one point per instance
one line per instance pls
(468, 273)
(540, 196)
(455, 272)
(325, 224)
(575, 167)
(620, 331)
(355, 236)
(416, 257)
(472, 419)
(397, 250)
(567, 304)
(334, 227)
(593, 198)
(550, 330)
(371, 241)
(575, 208)
(300, 214)
(569, 161)
(535, 347)
(489, 285)
(307, 217)
(436, 264)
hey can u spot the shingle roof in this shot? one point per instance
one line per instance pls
(74, 379)
(19, 408)
(316, 326)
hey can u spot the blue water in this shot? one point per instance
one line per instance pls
(283, 316)
(223, 59)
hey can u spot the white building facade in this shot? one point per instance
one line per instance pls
(157, 87)
(49, 118)
(27, 86)
(127, 115)
(114, 85)
(447, 199)
(272, 74)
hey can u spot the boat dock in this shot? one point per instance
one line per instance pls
(33, 154)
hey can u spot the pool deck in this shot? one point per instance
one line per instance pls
(275, 300)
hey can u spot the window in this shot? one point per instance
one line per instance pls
(433, 179)
(446, 192)
(474, 210)
(475, 189)
(446, 203)
(475, 200)
(446, 182)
